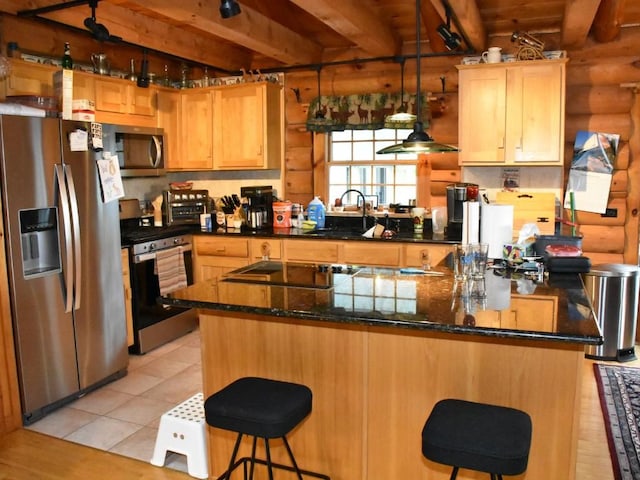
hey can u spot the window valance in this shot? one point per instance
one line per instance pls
(363, 112)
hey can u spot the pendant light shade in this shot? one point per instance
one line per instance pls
(401, 118)
(418, 141)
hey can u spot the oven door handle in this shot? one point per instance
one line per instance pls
(145, 257)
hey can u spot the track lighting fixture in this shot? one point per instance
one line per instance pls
(451, 39)
(418, 141)
(229, 8)
(98, 30)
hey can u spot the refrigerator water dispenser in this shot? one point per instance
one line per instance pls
(39, 241)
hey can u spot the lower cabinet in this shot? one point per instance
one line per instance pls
(126, 283)
(530, 312)
(216, 255)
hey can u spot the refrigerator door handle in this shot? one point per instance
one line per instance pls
(62, 200)
(75, 221)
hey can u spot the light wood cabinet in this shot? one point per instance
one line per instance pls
(167, 116)
(217, 255)
(123, 97)
(247, 127)
(512, 113)
(196, 130)
(126, 282)
(266, 248)
(311, 251)
(28, 78)
(530, 312)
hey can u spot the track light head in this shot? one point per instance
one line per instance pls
(98, 30)
(229, 8)
(451, 39)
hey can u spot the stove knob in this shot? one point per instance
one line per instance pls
(152, 246)
(176, 241)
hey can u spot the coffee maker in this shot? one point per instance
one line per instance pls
(259, 206)
(457, 194)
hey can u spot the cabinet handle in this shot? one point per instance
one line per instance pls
(266, 250)
(260, 150)
(501, 146)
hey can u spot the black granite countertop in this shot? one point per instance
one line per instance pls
(401, 298)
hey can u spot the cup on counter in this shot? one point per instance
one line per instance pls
(417, 213)
(479, 254)
(205, 222)
(438, 219)
(462, 262)
(492, 55)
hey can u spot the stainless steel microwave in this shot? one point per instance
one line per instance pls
(140, 150)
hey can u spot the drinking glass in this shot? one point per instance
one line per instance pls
(462, 261)
(479, 254)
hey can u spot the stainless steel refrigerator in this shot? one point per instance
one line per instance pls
(65, 273)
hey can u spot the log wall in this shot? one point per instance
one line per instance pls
(598, 98)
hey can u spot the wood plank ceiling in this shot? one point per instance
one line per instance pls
(279, 34)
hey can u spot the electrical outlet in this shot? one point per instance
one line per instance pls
(610, 212)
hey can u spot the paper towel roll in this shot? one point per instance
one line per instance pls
(496, 227)
(470, 222)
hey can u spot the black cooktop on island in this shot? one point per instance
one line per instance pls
(297, 275)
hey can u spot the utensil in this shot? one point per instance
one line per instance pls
(100, 63)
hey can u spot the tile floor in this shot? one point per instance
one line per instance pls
(123, 416)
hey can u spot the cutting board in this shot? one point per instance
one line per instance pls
(528, 207)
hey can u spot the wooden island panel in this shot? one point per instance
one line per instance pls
(374, 388)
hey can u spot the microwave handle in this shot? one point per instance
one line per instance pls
(155, 151)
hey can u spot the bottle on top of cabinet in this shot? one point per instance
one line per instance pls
(67, 61)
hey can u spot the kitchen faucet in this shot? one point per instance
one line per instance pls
(364, 206)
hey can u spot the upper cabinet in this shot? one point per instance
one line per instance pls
(247, 127)
(122, 101)
(512, 113)
(196, 130)
(167, 116)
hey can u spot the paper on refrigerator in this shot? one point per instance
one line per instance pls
(110, 179)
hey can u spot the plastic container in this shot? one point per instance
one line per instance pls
(281, 214)
(542, 241)
(316, 212)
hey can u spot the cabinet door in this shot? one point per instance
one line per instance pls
(266, 249)
(27, 78)
(84, 86)
(318, 251)
(437, 254)
(196, 130)
(536, 100)
(167, 118)
(142, 101)
(482, 115)
(111, 96)
(529, 312)
(126, 282)
(239, 127)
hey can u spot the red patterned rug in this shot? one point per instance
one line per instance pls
(619, 389)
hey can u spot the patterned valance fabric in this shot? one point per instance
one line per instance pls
(363, 112)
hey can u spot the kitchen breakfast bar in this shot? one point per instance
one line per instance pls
(380, 346)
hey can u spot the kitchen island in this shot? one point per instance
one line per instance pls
(379, 347)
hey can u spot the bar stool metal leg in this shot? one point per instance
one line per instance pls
(454, 473)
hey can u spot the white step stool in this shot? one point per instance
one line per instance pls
(182, 430)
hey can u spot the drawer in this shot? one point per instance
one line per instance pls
(317, 251)
(413, 254)
(362, 253)
(221, 246)
(266, 247)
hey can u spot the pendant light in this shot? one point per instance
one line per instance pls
(401, 117)
(418, 141)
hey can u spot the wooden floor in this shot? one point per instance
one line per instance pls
(26, 455)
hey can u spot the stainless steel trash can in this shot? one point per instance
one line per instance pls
(613, 290)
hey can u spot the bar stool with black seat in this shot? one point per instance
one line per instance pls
(261, 408)
(477, 436)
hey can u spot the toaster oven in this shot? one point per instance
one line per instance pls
(184, 207)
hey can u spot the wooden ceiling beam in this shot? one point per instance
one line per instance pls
(608, 20)
(357, 22)
(141, 30)
(577, 20)
(250, 29)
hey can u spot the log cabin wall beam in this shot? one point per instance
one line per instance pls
(577, 20)
(608, 20)
(355, 20)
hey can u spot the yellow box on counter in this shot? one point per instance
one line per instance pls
(531, 207)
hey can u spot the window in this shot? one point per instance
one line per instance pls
(353, 163)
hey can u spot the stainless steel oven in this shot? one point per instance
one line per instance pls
(155, 324)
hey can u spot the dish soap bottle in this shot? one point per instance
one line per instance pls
(316, 212)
